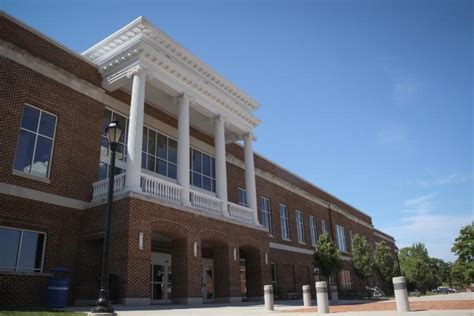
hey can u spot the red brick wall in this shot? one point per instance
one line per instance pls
(76, 152)
(48, 51)
(61, 226)
(22, 290)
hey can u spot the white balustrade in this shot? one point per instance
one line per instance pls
(241, 213)
(171, 192)
(161, 189)
(102, 187)
(206, 203)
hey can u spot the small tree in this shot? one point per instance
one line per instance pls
(463, 269)
(385, 265)
(362, 260)
(327, 257)
(416, 267)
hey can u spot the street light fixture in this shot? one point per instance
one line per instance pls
(114, 132)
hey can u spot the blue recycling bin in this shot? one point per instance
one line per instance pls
(58, 289)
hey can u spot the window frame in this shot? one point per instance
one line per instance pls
(324, 227)
(268, 212)
(285, 233)
(300, 227)
(242, 193)
(144, 169)
(105, 158)
(313, 230)
(273, 269)
(36, 133)
(212, 176)
(20, 243)
(341, 238)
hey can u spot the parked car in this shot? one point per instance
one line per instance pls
(444, 290)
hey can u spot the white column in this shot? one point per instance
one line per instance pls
(135, 130)
(250, 186)
(183, 148)
(221, 172)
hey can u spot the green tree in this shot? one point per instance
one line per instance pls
(463, 247)
(327, 257)
(385, 265)
(362, 260)
(415, 264)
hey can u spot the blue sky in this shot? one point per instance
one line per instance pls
(369, 100)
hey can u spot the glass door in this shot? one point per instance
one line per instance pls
(207, 280)
(160, 283)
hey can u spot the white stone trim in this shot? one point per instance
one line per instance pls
(391, 240)
(278, 246)
(297, 190)
(141, 28)
(30, 194)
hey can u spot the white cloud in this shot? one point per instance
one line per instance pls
(446, 180)
(404, 84)
(391, 134)
(422, 224)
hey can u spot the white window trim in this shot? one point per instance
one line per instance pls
(287, 221)
(213, 177)
(270, 225)
(313, 230)
(244, 193)
(341, 238)
(19, 246)
(30, 175)
(300, 227)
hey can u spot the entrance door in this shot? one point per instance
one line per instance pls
(207, 280)
(161, 278)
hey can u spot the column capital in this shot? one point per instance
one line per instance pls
(218, 118)
(182, 97)
(139, 70)
(249, 136)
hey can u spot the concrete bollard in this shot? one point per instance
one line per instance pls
(334, 295)
(268, 295)
(401, 294)
(306, 295)
(322, 297)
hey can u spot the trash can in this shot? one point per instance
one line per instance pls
(58, 288)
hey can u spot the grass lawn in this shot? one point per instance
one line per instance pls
(40, 313)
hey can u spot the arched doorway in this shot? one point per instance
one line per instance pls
(251, 283)
(217, 271)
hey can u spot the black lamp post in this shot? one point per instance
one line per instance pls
(114, 131)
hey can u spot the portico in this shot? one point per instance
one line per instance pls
(144, 62)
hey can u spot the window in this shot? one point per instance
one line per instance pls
(104, 167)
(312, 227)
(285, 229)
(21, 250)
(274, 275)
(324, 227)
(242, 197)
(341, 238)
(346, 281)
(35, 142)
(299, 226)
(159, 153)
(202, 170)
(266, 214)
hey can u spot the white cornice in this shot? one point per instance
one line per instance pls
(297, 190)
(384, 237)
(142, 29)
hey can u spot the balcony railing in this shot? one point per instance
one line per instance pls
(164, 190)
(241, 213)
(206, 203)
(101, 187)
(161, 189)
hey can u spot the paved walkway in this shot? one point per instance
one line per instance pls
(459, 304)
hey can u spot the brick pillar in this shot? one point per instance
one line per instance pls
(226, 274)
(186, 272)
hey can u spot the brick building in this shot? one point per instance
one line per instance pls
(198, 216)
